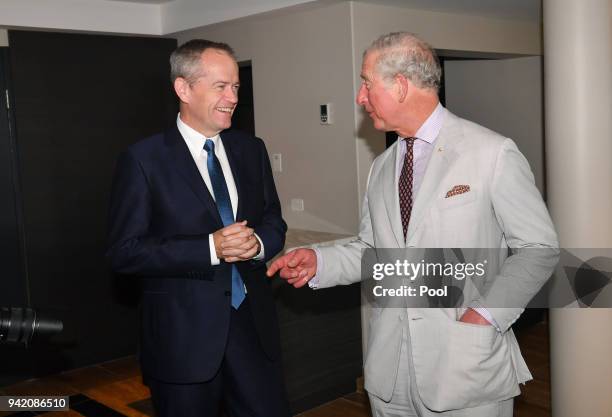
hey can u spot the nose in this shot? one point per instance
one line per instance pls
(362, 96)
(231, 95)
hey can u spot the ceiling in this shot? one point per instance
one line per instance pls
(144, 1)
(506, 9)
(163, 17)
(510, 9)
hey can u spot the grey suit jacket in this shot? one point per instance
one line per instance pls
(457, 365)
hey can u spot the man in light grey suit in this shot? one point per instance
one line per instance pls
(446, 183)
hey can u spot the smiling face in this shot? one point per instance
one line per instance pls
(208, 102)
(376, 96)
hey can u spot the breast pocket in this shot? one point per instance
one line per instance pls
(457, 200)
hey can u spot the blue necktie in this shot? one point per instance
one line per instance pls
(224, 205)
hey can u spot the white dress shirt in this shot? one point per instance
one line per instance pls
(195, 142)
(423, 147)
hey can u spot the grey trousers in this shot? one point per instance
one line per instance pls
(406, 402)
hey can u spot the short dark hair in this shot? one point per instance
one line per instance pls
(184, 61)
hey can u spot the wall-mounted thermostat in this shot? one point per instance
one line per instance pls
(325, 114)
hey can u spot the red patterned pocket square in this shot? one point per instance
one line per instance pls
(456, 190)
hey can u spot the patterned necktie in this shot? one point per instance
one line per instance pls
(224, 205)
(405, 185)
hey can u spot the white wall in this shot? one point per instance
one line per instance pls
(449, 31)
(3, 37)
(302, 58)
(86, 15)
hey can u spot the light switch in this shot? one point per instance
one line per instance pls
(297, 204)
(277, 162)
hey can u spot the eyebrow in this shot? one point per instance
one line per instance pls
(226, 82)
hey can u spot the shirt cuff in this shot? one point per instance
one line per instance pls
(314, 281)
(262, 254)
(486, 314)
(213, 252)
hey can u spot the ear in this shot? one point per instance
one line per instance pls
(402, 84)
(182, 89)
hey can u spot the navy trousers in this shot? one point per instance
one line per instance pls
(247, 383)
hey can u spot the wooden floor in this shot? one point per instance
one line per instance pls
(115, 388)
(535, 398)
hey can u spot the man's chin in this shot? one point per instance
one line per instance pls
(379, 125)
(225, 125)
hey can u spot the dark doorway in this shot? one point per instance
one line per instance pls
(244, 115)
(13, 289)
(79, 100)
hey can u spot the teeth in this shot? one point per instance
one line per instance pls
(225, 109)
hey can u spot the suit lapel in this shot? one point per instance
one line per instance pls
(185, 165)
(234, 157)
(391, 196)
(444, 154)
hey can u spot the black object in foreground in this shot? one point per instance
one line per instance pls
(22, 325)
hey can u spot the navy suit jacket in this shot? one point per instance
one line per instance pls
(161, 214)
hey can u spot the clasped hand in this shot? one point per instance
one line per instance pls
(236, 242)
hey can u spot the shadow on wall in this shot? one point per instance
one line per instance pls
(373, 139)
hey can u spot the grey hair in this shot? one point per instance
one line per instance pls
(185, 60)
(404, 53)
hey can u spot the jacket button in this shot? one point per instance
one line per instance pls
(228, 293)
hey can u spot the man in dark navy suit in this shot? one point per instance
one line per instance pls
(194, 213)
